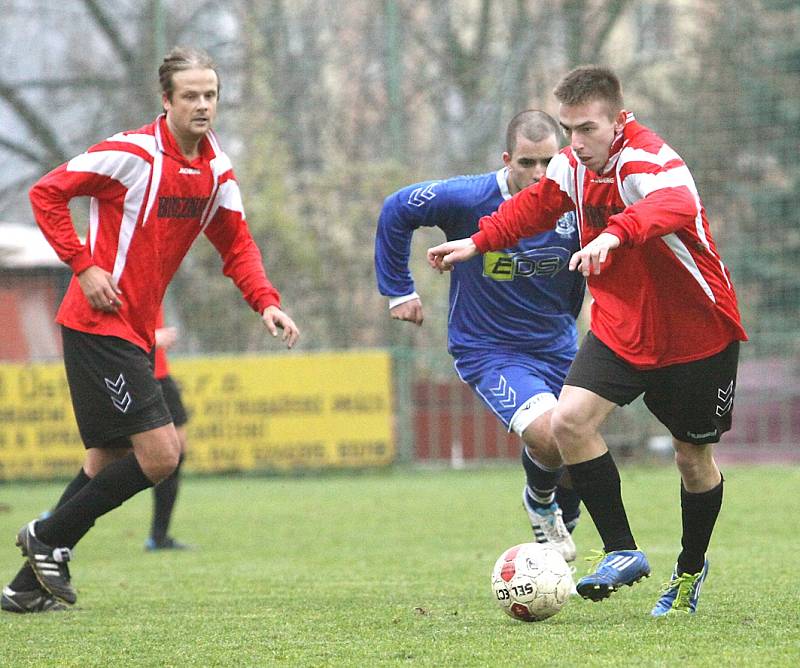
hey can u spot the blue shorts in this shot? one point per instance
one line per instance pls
(517, 387)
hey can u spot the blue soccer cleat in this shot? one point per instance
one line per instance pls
(614, 569)
(681, 593)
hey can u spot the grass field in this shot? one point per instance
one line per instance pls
(392, 568)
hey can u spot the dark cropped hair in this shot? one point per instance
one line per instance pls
(534, 125)
(183, 58)
(588, 83)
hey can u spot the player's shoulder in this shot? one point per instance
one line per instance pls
(450, 190)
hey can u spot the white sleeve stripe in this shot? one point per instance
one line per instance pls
(155, 185)
(230, 197)
(221, 164)
(645, 183)
(146, 142)
(559, 171)
(664, 155)
(685, 258)
(124, 167)
(130, 215)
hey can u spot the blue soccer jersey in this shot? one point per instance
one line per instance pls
(522, 298)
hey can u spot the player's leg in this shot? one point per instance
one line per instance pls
(596, 383)
(24, 593)
(117, 404)
(165, 493)
(568, 500)
(695, 402)
(520, 390)
(543, 470)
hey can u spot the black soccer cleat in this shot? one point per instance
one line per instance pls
(37, 600)
(49, 564)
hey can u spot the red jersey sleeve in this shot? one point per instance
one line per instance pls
(531, 211)
(663, 195)
(241, 257)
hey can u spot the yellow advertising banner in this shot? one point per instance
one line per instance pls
(277, 412)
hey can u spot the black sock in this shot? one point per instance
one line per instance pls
(541, 481)
(115, 484)
(25, 579)
(597, 484)
(164, 495)
(699, 514)
(569, 502)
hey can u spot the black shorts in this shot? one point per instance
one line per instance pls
(693, 400)
(114, 394)
(172, 395)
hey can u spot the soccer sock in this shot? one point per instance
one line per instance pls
(570, 504)
(115, 484)
(164, 495)
(541, 480)
(25, 579)
(597, 483)
(699, 514)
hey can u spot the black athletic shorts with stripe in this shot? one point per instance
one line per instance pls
(114, 393)
(172, 395)
(693, 400)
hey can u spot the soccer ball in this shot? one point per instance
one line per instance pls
(531, 582)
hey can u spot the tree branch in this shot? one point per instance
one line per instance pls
(40, 129)
(110, 31)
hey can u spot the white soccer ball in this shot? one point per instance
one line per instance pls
(531, 582)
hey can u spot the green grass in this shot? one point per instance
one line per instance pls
(387, 569)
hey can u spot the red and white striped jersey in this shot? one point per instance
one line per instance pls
(664, 296)
(148, 204)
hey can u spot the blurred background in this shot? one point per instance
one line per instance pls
(329, 106)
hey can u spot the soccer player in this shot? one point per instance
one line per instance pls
(511, 328)
(153, 190)
(664, 320)
(165, 493)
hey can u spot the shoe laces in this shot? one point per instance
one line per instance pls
(682, 584)
(594, 559)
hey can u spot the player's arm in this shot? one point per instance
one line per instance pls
(663, 199)
(531, 211)
(50, 197)
(242, 262)
(422, 204)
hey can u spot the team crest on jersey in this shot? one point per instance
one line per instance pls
(567, 224)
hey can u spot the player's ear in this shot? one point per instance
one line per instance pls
(506, 158)
(619, 121)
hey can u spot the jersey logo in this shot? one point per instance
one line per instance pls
(116, 388)
(181, 207)
(189, 170)
(420, 196)
(725, 396)
(539, 262)
(505, 393)
(597, 216)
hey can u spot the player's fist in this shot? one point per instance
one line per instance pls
(410, 311)
(444, 256)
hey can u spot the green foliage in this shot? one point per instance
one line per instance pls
(344, 571)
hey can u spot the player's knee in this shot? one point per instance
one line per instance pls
(542, 448)
(160, 460)
(567, 427)
(695, 462)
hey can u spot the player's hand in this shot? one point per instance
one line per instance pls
(100, 289)
(444, 256)
(166, 336)
(275, 319)
(590, 258)
(410, 311)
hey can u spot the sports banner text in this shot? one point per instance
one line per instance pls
(246, 413)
